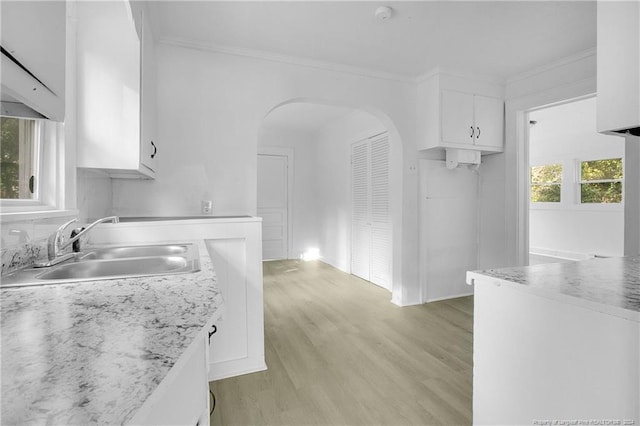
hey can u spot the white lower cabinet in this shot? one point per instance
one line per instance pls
(234, 246)
(182, 398)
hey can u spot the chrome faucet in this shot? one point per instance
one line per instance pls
(56, 242)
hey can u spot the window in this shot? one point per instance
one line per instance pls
(19, 150)
(601, 181)
(546, 183)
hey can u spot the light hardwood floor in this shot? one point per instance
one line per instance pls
(340, 353)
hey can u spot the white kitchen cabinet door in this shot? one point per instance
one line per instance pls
(148, 142)
(371, 224)
(489, 122)
(457, 118)
(109, 89)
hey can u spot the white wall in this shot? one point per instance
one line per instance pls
(305, 178)
(448, 228)
(566, 134)
(95, 196)
(210, 109)
(333, 150)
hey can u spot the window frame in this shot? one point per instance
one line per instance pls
(546, 204)
(56, 166)
(37, 165)
(580, 182)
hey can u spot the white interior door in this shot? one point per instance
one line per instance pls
(448, 227)
(371, 224)
(273, 184)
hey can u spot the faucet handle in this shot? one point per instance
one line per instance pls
(59, 237)
(66, 224)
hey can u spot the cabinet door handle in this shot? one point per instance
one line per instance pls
(478, 135)
(472, 130)
(212, 332)
(155, 149)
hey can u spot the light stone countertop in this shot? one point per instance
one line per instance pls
(610, 285)
(92, 352)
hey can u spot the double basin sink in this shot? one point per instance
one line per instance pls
(111, 263)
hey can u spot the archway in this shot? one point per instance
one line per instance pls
(318, 135)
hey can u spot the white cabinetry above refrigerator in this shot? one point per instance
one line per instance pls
(460, 114)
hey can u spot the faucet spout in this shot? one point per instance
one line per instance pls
(56, 242)
(83, 231)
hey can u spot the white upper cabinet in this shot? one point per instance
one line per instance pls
(618, 67)
(459, 118)
(488, 122)
(33, 39)
(149, 143)
(111, 125)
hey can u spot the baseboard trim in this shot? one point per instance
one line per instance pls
(454, 296)
(233, 368)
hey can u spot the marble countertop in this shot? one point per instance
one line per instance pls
(92, 352)
(610, 285)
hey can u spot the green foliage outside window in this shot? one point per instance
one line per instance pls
(9, 154)
(601, 181)
(546, 183)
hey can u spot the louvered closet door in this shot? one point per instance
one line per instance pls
(380, 223)
(360, 225)
(371, 227)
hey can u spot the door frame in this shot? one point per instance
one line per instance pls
(517, 125)
(283, 152)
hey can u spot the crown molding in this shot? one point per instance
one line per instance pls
(286, 59)
(552, 65)
(460, 74)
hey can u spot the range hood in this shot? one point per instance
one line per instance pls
(32, 58)
(618, 69)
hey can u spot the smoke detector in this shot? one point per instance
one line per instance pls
(383, 13)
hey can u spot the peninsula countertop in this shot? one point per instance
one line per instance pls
(608, 285)
(93, 352)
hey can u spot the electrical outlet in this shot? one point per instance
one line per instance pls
(207, 205)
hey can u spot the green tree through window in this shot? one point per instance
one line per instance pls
(601, 181)
(9, 151)
(546, 183)
(17, 158)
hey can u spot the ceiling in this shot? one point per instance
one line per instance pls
(497, 39)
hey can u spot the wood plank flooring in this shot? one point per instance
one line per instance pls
(340, 353)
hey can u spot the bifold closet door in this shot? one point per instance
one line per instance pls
(371, 225)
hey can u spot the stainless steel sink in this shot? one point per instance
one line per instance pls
(111, 263)
(116, 268)
(136, 251)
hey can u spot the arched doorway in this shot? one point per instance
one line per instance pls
(317, 139)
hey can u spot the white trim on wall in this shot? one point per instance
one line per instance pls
(289, 153)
